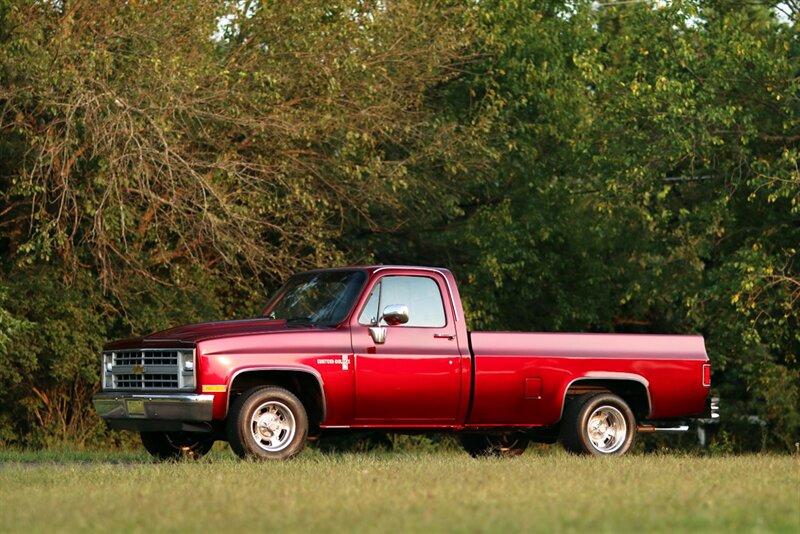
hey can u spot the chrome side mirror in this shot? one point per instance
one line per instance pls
(395, 314)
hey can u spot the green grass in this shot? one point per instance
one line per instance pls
(442, 491)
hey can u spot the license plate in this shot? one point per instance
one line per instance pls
(135, 407)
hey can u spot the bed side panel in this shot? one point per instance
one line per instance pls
(508, 364)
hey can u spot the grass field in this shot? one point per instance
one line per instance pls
(441, 491)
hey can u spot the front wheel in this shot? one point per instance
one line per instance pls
(176, 445)
(600, 424)
(267, 423)
(505, 445)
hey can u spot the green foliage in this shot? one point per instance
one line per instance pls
(629, 168)
(643, 178)
(160, 166)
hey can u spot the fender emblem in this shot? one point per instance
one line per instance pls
(344, 361)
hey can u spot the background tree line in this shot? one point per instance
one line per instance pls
(579, 166)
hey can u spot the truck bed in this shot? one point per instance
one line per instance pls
(523, 378)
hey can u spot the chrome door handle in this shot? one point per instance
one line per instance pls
(444, 336)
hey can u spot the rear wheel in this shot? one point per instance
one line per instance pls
(176, 445)
(267, 423)
(600, 424)
(505, 445)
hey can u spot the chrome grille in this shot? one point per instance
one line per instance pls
(155, 357)
(147, 381)
(149, 369)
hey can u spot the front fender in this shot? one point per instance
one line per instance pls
(278, 372)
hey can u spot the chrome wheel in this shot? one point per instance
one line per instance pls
(267, 423)
(600, 424)
(273, 426)
(606, 429)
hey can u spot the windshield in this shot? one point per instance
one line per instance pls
(323, 297)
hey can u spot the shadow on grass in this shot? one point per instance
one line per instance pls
(74, 456)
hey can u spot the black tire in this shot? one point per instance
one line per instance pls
(600, 424)
(267, 423)
(176, 445)
(505, 445)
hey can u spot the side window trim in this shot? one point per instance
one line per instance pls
(454, 308)
(379, 285)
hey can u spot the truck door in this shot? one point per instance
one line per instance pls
(414, 376)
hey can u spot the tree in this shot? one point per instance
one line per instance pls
(159, 165)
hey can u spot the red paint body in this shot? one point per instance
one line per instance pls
(441, 377)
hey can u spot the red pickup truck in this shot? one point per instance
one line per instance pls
(387, 347)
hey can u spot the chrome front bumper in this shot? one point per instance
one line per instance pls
(124, 406)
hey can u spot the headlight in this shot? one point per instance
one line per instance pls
(108, 367)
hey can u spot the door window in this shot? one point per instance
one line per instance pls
(420, 293)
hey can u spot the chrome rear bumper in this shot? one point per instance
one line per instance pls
(712, 410)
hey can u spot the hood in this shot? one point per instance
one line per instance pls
(181, 336)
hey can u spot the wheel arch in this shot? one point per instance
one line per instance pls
(307, 384)
(633, 389)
